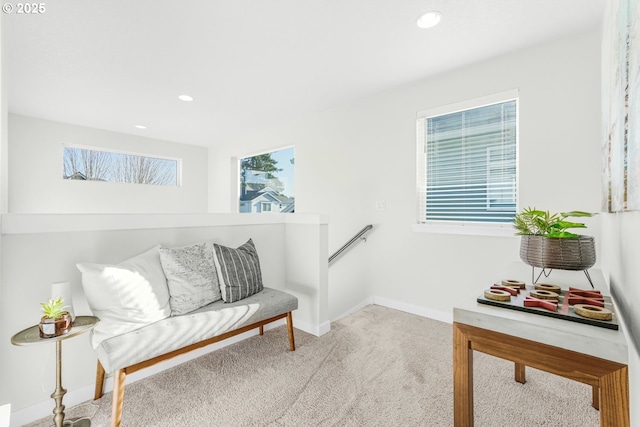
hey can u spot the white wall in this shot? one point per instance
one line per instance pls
(3, 155)
(4, 118)
(304, 262)
(559, 161)
(35, 172)
(351, 156)
(621, 252)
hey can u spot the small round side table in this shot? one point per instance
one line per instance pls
(31, 336)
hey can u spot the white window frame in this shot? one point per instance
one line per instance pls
(467, 228)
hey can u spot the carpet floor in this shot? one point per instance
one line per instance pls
(377, 367)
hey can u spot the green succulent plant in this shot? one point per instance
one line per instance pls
(535, 222)
(53, 308)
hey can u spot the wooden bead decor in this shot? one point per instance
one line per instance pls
(592, 312)
(542, 294)
(510, 282)
(511, 289)
(543, 303)
(574, 299)
(497, 295)
(548, 287)
(590, 293)
(586, 297)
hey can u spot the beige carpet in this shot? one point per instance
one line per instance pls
(377, 367)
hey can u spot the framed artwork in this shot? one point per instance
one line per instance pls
(621, 107)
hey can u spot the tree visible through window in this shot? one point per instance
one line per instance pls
(266, 182)
(94, 165)
(467, 167)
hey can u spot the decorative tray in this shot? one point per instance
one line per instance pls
(575, 305)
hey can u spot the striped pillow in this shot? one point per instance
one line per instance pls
(238, 271)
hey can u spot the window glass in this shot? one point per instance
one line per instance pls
(85, 164)
(266, 182)
(467, 164)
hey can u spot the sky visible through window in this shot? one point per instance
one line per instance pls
(286, 160)
(84, 164)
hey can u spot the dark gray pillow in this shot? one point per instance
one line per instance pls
(191, 277)
(238, 271)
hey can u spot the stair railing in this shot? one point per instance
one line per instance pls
(359, 236)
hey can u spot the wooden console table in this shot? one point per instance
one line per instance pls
(584, 353)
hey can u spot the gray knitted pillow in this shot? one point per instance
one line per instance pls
(191, 277)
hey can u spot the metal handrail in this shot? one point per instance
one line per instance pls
(351, 242)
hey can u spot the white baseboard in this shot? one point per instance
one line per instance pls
(5, 414)
(318, 330)
(45, 408)
(357, 307)
(414, 309)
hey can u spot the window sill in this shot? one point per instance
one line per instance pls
(495, 230)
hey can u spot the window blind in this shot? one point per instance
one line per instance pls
(468, 165)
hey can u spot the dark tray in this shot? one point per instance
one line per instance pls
(564, 312)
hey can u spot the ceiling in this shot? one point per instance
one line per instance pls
(250, 64)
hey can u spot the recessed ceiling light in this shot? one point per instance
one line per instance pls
(185, 98)
(429, 19)
(140, 127)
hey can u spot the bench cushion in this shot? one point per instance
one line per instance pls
(175, 332)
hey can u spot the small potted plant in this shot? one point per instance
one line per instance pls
(56, 320)
(546, 243)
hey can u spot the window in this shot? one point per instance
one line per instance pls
(86, 164)
(467, 162)
(266, 182)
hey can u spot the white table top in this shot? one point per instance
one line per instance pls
(588, 339)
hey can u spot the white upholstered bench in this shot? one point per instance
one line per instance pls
(168, 301)
(176, 335)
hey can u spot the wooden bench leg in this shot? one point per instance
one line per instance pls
(520, 375)
(261, 329)
(99, 381)
(292, 341)
(119, 378)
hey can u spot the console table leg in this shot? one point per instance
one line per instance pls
(595, 397)
(58, 411)
(462, 379)
(614, 398)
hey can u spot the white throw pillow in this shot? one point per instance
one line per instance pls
(126, 296)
